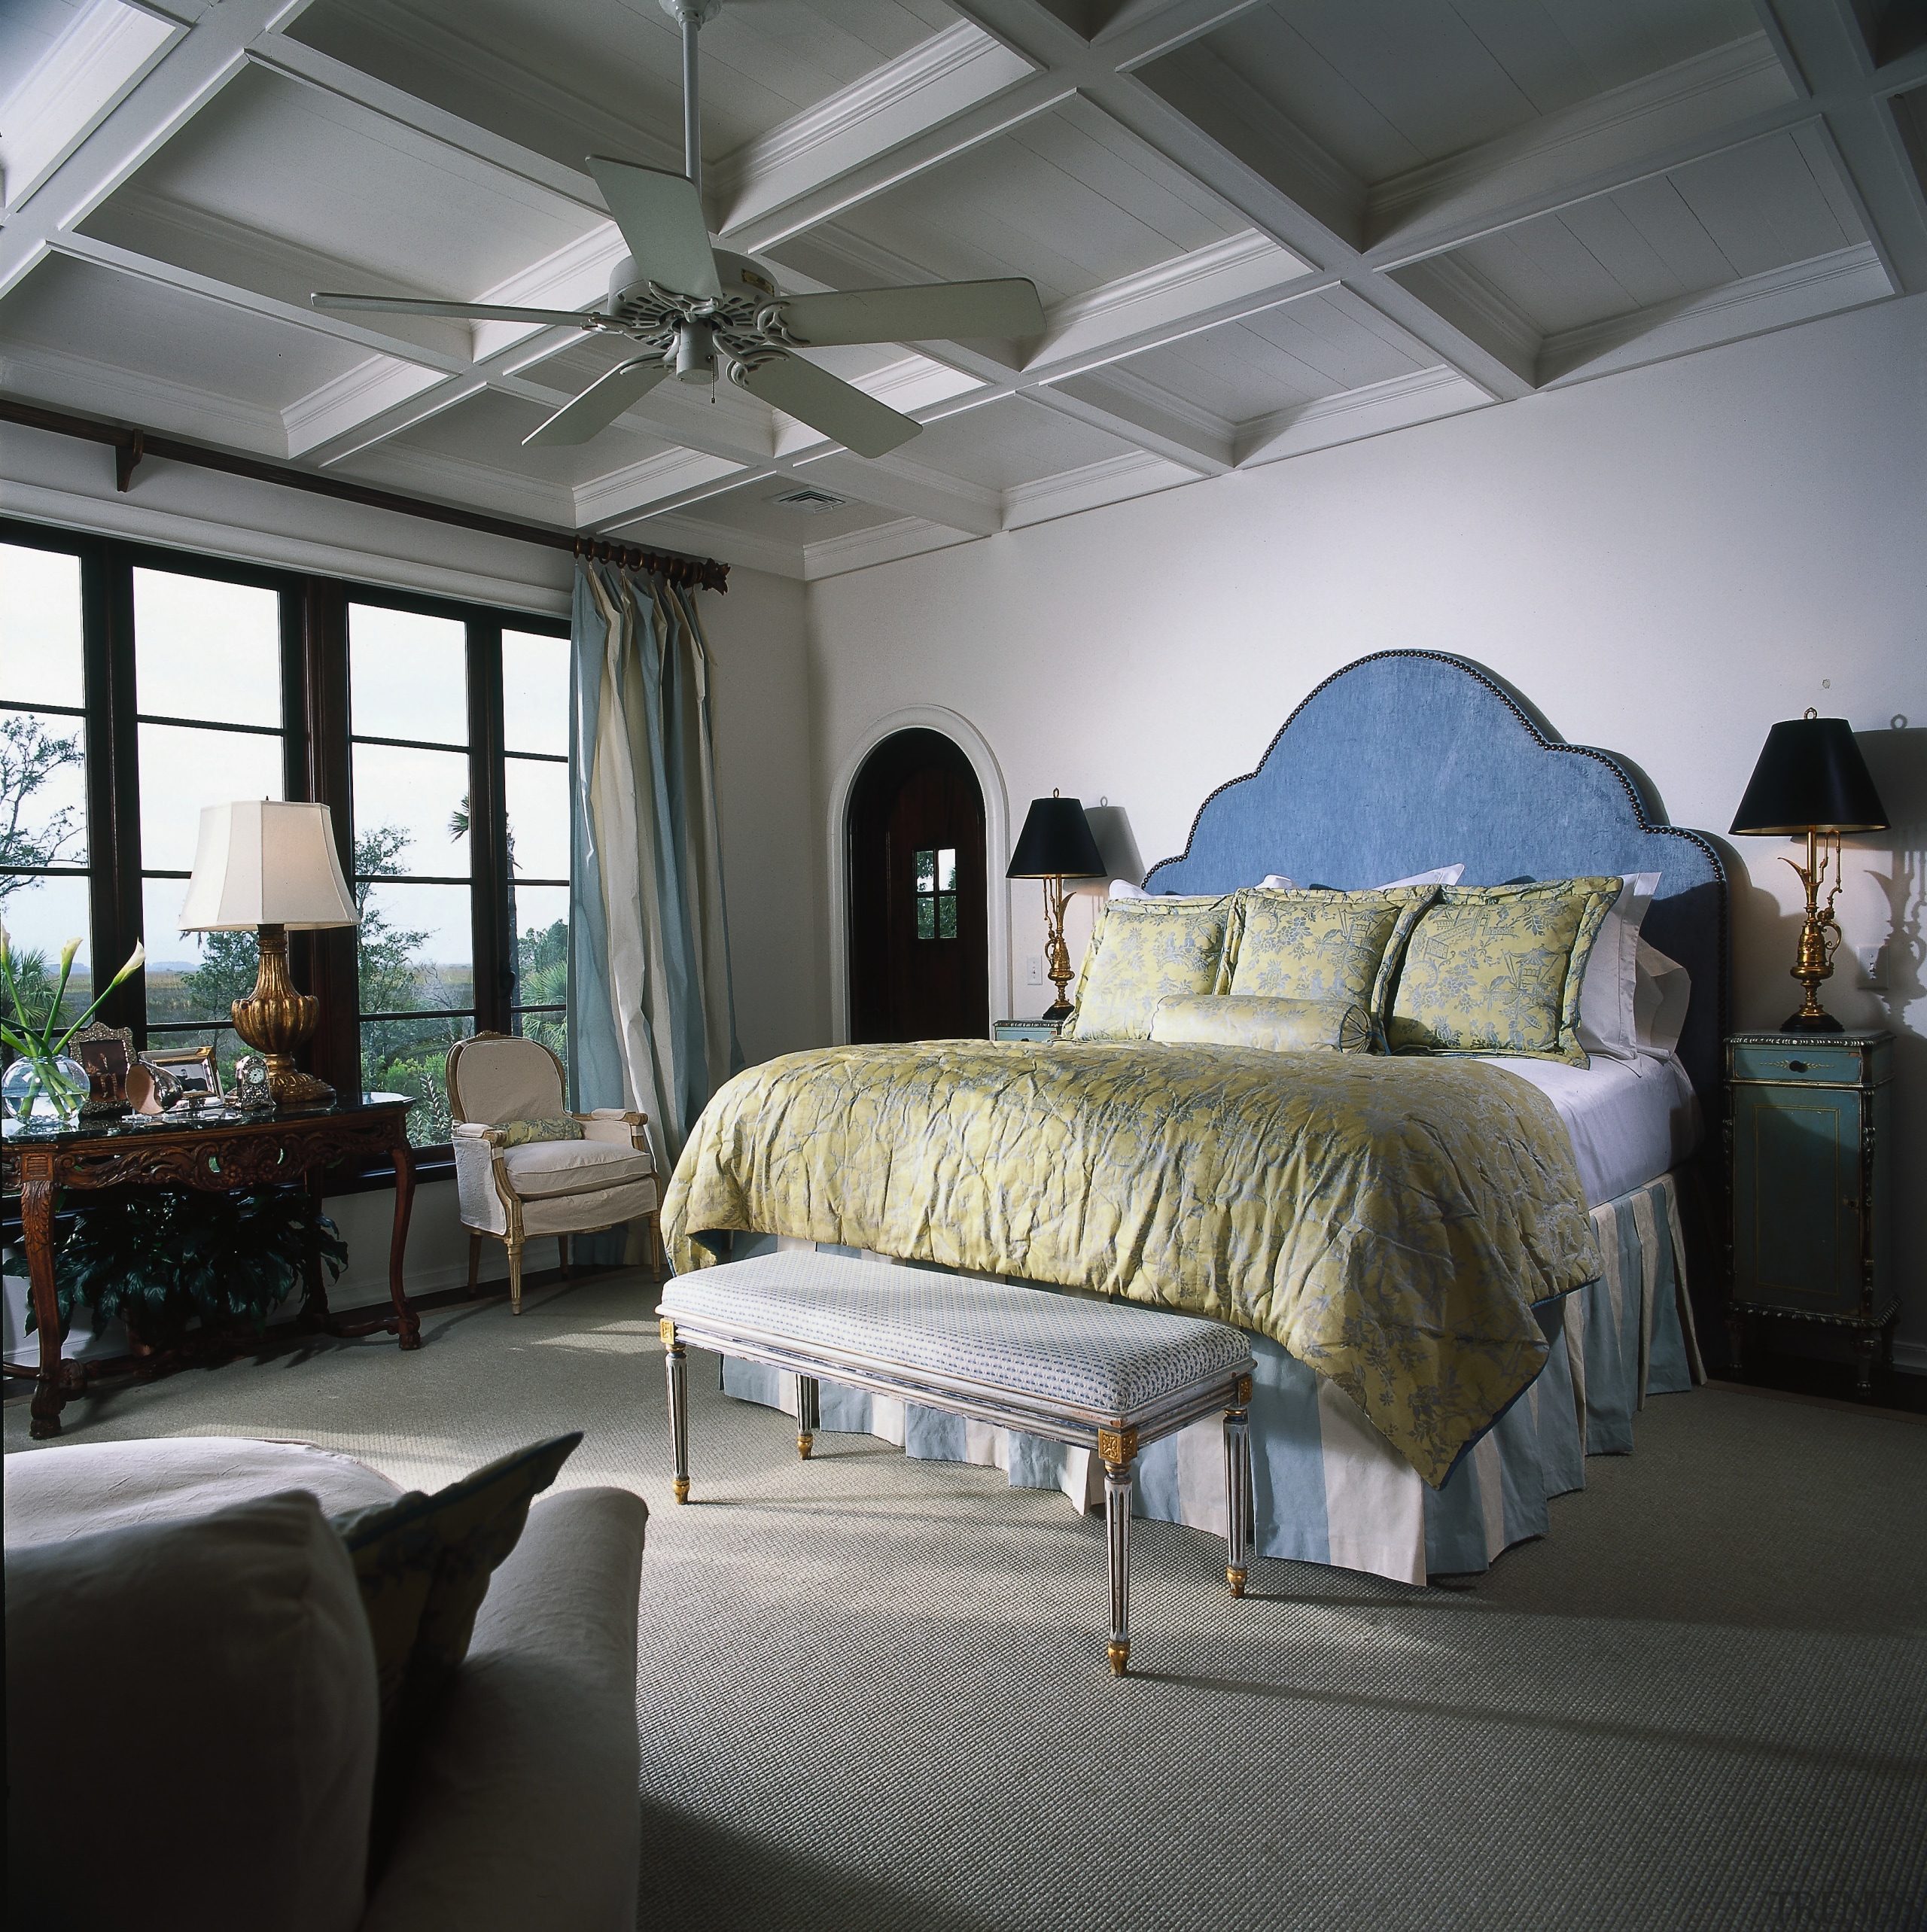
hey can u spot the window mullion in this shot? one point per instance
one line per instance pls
(114, 810)
(493, 941)
(318, 720)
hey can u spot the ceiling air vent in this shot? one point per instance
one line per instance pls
(810, 501)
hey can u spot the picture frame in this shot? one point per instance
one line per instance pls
(107, 1053)
(194, 1068)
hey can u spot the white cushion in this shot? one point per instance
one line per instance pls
(539, 1167)
(219, 1674)
(78, 1489)
(1607, 1023)
(1094, 1356)
(581, 1214)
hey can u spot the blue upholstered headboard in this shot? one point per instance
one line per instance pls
(1409, 759)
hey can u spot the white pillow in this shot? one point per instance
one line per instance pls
(1663, 991)
(1123, 889)
(1445, 875)
(1606, 1020)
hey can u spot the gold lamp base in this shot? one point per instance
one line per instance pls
(277, 1021)
(1819, 940)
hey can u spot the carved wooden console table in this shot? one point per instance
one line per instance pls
(271, 1150)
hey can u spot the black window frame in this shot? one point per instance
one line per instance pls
(317, 766)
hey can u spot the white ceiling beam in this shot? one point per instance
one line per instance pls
(188, 75)
(93, 66)
(1824, 38)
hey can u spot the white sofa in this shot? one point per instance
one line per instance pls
(191, 1709)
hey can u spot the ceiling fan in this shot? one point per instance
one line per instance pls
(689, 306)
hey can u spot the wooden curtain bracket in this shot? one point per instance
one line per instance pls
(126, 459)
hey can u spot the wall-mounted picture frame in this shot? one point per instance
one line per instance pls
(106, 1052)
(195, 1070)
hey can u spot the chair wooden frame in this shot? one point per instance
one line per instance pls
(608, 1124)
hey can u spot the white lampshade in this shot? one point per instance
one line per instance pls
(259, 862)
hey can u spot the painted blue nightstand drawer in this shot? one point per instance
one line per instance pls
(1790, 1059)
(1045, 1030)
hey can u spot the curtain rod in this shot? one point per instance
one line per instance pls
(131, 446)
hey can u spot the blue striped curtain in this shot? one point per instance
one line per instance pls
(652, 1017)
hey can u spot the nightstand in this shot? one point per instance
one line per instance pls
(1025, 1030)
(1810, 1162)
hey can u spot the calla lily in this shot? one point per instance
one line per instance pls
(6, 947)
(67, 953)
(136, 960)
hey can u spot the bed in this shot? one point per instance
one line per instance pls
(1404, 760)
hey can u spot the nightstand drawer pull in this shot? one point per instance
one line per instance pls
(1796, 1066)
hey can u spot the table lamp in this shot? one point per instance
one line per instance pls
(1056, 844)
(266, 867)
(1811, 779)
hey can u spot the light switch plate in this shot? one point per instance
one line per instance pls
(1033, 970)
(1872, 967)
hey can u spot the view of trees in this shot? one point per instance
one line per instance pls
(30, 756)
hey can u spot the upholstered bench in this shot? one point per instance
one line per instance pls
(1096, 1374)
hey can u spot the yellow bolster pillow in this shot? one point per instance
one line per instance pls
(1273, 1026)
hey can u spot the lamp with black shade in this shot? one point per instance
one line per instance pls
(1812, 781)
(1056, 844)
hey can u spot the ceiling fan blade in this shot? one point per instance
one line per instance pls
(925, 313)
(662, 223)
(599, 405)
(827, 402)
(478, 311)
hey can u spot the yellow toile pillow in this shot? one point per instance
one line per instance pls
(1499, 968)
(1143, 951)
(1317, 944)
(1272, 1026)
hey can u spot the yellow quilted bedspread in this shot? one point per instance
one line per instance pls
(1388, 1221)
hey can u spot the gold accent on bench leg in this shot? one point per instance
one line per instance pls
(1120, 1655)
(1236, 1579)
(809, 1414)
(675, 1362)
(1118, 1445)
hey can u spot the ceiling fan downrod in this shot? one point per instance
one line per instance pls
(692, 16)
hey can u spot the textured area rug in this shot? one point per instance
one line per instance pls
(873, 1692)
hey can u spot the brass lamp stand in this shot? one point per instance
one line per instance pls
(277, 1021)
(1811, 781)
(262, 866)
(1056, 844)
(1819, 937)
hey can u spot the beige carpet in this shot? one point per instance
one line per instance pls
(873, 1690)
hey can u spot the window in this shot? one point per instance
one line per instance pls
(936, 892)
(138, 685)
(208, 681)
(44, 870)
(535, 790)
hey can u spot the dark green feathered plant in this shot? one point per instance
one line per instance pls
(158, 1257)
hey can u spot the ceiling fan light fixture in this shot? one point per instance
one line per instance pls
(695, 354)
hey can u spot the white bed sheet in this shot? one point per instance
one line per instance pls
(1631, 1120)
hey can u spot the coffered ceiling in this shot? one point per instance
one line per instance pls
(1260, 227)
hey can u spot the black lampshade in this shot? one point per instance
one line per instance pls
(1056, 843)
(1810, 776)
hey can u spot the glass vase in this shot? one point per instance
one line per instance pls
(43, 1093)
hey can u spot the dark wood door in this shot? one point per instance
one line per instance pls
(919, 943)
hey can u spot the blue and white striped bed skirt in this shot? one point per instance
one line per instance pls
(1327, 1487)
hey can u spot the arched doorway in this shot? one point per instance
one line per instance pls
(919, 950)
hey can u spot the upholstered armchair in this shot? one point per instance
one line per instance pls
(514, 1186)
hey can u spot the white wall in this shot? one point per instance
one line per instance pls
(761, 703)
(1665, 561)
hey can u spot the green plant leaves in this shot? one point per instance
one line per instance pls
(159, 1257)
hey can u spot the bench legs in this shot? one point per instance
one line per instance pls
(675, 1360)
(809, 1414)
(1237, 1495)
(1118, 1449)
